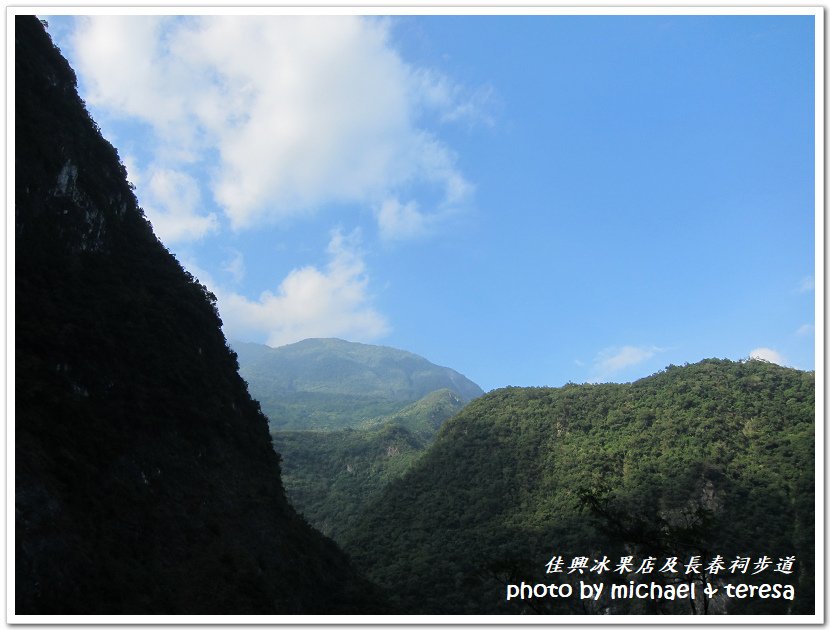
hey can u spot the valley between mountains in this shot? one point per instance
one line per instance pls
(445, 501)
(159, 470)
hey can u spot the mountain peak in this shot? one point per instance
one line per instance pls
(342, 382)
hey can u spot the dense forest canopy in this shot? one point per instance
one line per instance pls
(711, 458)
(331, 476)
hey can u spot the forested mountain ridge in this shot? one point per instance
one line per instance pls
(711, 458)
(332, 384)
(331, 476)
(348, 418)
(145, 478)
(425, 416)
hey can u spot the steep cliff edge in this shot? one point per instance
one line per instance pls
(145, 479)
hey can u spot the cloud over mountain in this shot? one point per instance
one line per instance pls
(612, 361)
(309, 302)
(769, 355)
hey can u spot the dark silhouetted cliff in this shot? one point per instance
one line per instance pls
(145, 479)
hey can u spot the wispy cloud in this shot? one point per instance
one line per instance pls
(172, 201)
(611, 361)
(457, 103)
(398, 221)
(807, 284)
(235, 266)
(309, 302)
(286, 113)
(805, 329)
(768, 354)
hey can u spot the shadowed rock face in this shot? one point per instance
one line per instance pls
(145, 479)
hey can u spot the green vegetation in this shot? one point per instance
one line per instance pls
(711, 458)
(333, 384)
(425, 416)
(321, 411)
(330, 476)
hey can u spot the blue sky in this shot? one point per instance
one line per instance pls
(530, 200)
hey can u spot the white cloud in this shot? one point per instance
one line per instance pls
(805, 329)
(310, 302)
(768, 354)
(288, 113)
(807, 284)
(455, 102)
(611, 361)
(235, 266)
(171, 200)
(397, 221)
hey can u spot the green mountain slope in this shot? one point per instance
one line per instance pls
(330, 476)
(330, 383)
(707, 459)
(423, 417)
(145, 478)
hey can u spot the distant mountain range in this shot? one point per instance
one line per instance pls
(331, 383)
(348, 418)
